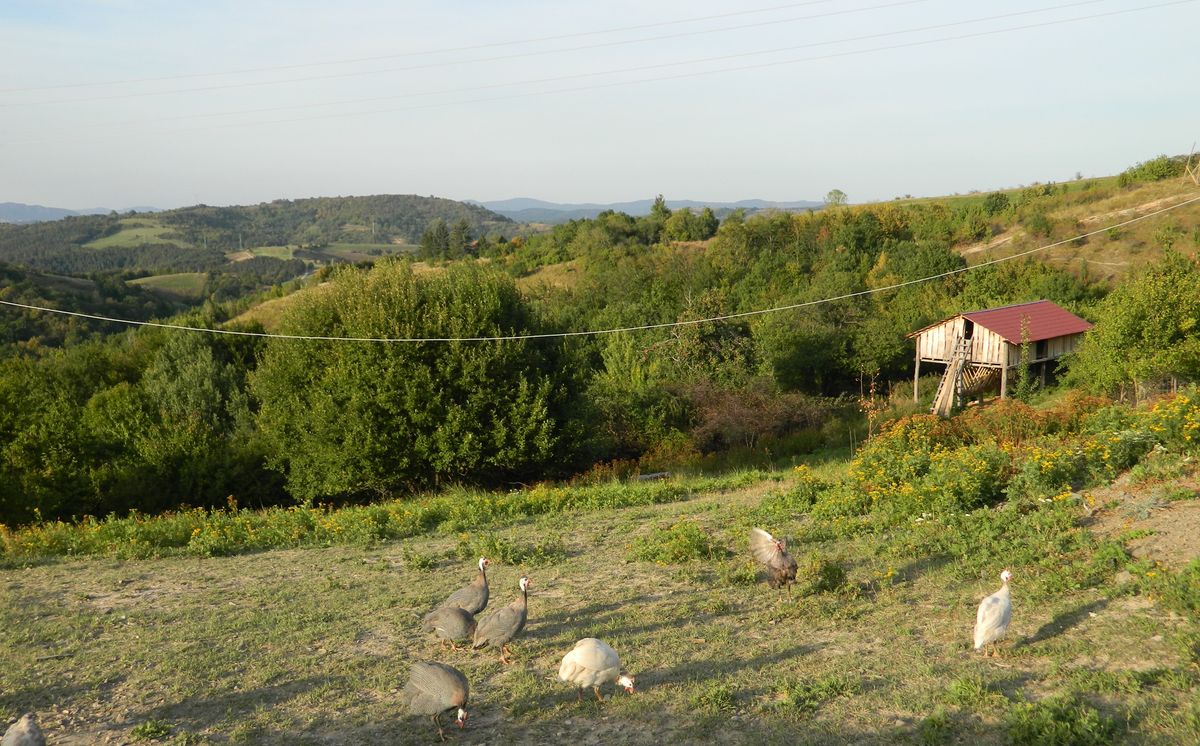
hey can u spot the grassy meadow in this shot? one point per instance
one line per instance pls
(297, 625)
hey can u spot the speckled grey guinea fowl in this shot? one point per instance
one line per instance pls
(451, 624)
(474, 596)
(772, 553)
(504, 624)
(434, 688)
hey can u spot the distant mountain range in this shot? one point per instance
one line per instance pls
(528, 210)
(16, 212)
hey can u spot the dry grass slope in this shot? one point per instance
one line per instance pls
(311, 646)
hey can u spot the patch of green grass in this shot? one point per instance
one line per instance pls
(508, 551)
(817, 574)
(803, 697)
(1059, 721)
(150, 729)
(971, 692)
(682, 541)
(936, 728)
(714, 697)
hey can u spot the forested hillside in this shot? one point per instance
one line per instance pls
(96, 243)
(153, 419)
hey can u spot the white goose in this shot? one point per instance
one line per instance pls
(995, 612)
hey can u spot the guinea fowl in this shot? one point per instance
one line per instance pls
(451, 624)
(995, 612)
(592, 663)
(24, 732)
(772, 552)
(505, 624)
(472, 597)
(432, 689)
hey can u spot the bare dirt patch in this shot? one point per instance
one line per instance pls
(1161, 530)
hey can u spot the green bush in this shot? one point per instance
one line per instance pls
(372, 419)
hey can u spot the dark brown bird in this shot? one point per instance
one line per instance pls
(772, 553)
(451, 624)
(434, 688)
(505, 624)
(474, 596)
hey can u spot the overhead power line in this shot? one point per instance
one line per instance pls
(617, 330)
(477, 60)
(617, 71)
(430, 52)
(661, 78)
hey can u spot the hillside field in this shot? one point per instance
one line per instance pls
(138, 231)
(188, 285)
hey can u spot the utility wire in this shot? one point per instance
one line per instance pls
(445, 50)
(617, 71)
(618, 330)
(452, 63)
(662, 78)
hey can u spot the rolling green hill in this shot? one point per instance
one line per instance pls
(199, 238)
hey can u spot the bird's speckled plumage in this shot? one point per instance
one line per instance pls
(433, 688)
(472, 597)
(772, 553)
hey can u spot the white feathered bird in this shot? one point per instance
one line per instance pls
(591, 663)
(995, 612)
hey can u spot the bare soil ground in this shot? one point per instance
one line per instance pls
(312, 646)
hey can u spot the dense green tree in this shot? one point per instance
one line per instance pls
(1148, 328)
(358, 418)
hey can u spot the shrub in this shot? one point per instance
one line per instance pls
(1175, 421)
(903, 453)
(1058, 721)
(682, 542)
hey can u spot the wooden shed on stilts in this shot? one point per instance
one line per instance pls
(980, 348)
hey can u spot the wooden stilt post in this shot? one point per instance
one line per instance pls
(1004, 380)
(917, 376)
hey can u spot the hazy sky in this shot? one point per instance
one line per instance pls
(568, 101)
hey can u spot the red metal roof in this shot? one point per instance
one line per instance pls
(1045, 321)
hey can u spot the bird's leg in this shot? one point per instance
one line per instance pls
(437, 722)
(504, 654)
(596, 689)
(579, 694)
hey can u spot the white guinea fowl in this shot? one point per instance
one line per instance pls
(995, 612)
(591, 663)
(24, 732)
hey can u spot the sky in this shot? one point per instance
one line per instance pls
(121, 103)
